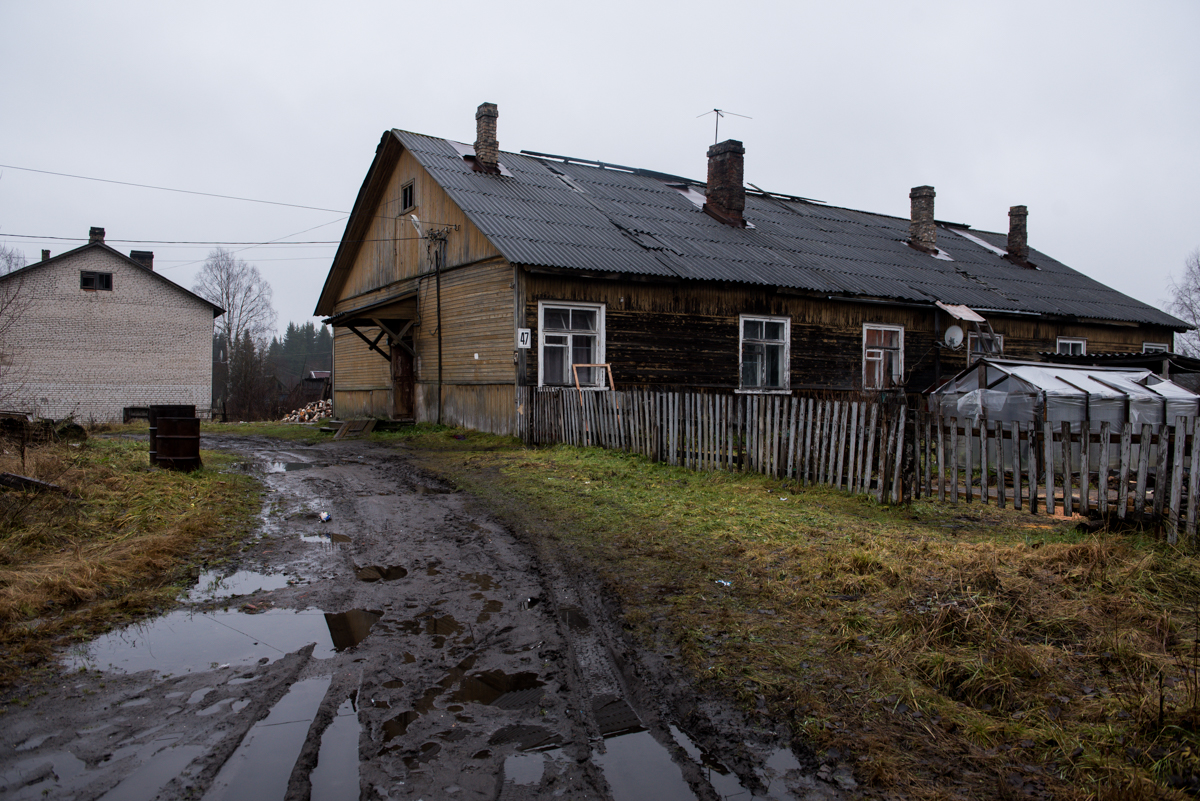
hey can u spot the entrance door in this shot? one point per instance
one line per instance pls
(403, 384)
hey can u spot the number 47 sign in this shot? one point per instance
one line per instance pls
(523, 337)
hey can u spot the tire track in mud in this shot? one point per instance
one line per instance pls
(448, 659)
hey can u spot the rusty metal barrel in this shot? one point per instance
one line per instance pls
(180, 410)
(179, 443)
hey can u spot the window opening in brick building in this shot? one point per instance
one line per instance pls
(93, 280)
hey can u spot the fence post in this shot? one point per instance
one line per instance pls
(1102, 468)
(1180, 443)
(1048, 444)
(1193, 482)
(1031, 453)
(1139, 498)
(1015, 430)
(1068, 473)
(1162, 468)
(898, 474)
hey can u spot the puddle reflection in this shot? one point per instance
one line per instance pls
(212, 585)
(499, 689)
(336, 775)
(377, 573)
(186, 642)
(262, 764)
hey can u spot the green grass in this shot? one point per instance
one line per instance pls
(926, 640)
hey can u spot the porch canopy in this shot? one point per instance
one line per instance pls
(1007, 391)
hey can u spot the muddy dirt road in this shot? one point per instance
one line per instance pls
(407, 647)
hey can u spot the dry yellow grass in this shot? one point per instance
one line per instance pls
(113, 545)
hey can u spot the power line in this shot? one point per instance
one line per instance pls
(170, 189)
(216, 242)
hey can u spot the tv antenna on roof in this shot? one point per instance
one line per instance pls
(719, 114)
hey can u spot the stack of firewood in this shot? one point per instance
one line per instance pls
(317, 410)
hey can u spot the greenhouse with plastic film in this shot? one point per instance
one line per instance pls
(1027, 392)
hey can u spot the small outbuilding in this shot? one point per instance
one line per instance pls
(1018, 391)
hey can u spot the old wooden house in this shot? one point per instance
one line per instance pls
(466, 271)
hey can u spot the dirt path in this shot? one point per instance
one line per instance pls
(408, 647)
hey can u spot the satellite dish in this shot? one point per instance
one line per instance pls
(954, 336)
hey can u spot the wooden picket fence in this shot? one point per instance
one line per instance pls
(1145, 473)
(850, 444)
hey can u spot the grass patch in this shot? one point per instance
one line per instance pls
(949, 650)
(118, 545)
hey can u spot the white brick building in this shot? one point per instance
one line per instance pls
(95, 331)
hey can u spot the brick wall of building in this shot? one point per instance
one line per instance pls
(91, 353)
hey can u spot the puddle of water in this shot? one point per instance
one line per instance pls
(432, 569)
(288, 467)
(574, 618)
(773, 772)
(524, 768)
(637, 766)
(212, 585)
(348, 629)
(481, 580)
(186, 642)
(499, 689)
(397, 726)
(262, 763)
(394, 684)
(35, 741)
(377, 573)
(157, 770)
(332, 539)
(66, 773)
(722, 779)
(615, 717)
(336, 775)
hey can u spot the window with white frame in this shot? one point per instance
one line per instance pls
(976, 346)
(1155, 347)
(765, 346)
(570, 334)
(883, 356)
(1072, 346)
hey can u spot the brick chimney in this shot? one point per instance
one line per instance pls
(487, 149)
(95, 236)
(144, 258)
(1018, 234)
(726, 193)
(922, 231)
(45, 255)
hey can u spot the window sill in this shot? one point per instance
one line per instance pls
(762, 392)
(560, 387)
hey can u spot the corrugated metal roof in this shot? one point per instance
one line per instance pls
(615, 221)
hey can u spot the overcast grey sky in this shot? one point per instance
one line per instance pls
(1086, 112)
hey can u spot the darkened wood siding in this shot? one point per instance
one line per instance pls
(686, 335)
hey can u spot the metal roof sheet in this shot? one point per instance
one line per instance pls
(616, 221)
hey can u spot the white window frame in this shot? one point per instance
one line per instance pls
(786, 377)
(1155, 347)
(1068, 341)
(898, 373)
(972, 354)
(551, 304)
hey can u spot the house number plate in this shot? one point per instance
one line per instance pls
(523, 337)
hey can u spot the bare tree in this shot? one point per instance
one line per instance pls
(239, 289)
(249, 318)
(13, 304)
(1185, 304)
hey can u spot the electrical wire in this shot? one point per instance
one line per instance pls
(171, 189)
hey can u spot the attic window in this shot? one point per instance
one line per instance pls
(94, 281)
(1154, 347)
(407, 197)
